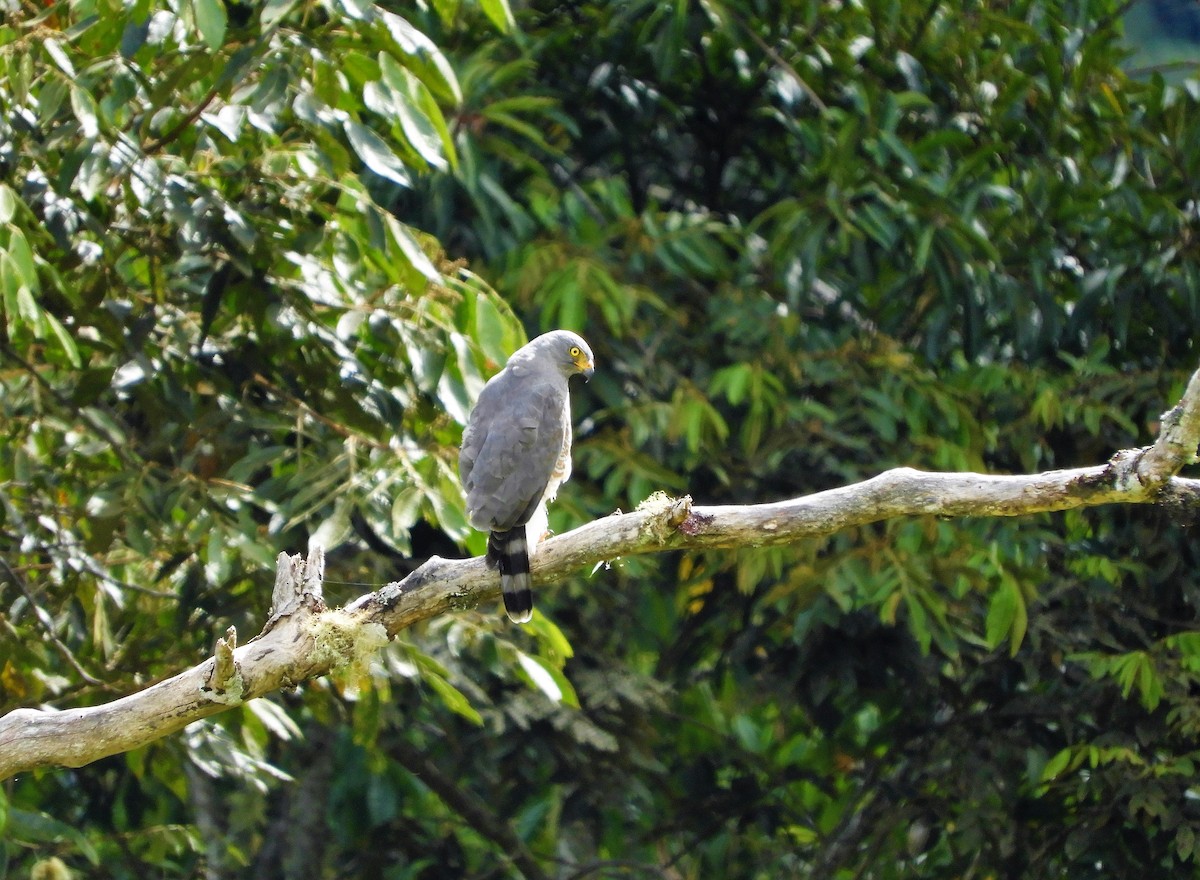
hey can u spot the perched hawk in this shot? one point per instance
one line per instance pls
(516, 452)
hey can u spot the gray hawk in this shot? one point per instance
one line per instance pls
(516, 452)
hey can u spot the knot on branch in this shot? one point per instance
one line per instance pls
(1174, 449)
(664, 515)
(225, 684)
(1124, 470)
(1178, 438)
(298, 584)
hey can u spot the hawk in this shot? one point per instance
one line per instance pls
(516, 452)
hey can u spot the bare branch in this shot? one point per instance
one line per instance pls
(225, 684)
(303, 639)
(1177, 440)
(293, 651)
(663, 523)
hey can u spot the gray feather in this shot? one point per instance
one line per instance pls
(511, 445)
(516, 451)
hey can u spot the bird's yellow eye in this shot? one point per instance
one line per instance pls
(575, 351)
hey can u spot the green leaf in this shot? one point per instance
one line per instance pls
(376, 154)
(1185, 842)
(1007, 616)
(918, 622)
(498, 334)
(1020, 624)
(65, 340)
(411, 250)
(552, 640)
(59, 57)
(274, 718)
(547, 679)
(430, 64)
(133, 37)
(1056, 765)
(21, 256)
(447, 10)
(418, 114)
(42, 828)
(500, 14)
(452, 697)
(275, 10)
(51, 98)
(84, 107)
(333, 531)
(750, 735)
(8, 203)
(211, 20)
(732, 381)
(1187, 644)
(447, 506)
(1149, 684)
(27, 305)
(520, 126)
(406, 509)
(9, 285)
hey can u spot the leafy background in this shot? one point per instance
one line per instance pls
(257, 259)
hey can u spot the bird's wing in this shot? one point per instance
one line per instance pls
(513, 441)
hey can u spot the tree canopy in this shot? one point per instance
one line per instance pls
(256, 261)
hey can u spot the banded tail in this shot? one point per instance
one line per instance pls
(510, 552)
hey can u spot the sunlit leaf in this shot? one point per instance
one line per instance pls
(411, 250)
(547, 679)
(8, 203)
(500, 14)
(275, 718)
(20, 257)
(375, 153)
(84, 106)
(275, 10)
(419, 116)
(439, 74)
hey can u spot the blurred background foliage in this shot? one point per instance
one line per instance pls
(257, 259)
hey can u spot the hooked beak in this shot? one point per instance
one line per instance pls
(588, 371)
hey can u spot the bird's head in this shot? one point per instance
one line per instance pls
(568, 351)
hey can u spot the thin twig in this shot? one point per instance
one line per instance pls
(223, 81)
(778, 59)
(47, 624)
(480, 816)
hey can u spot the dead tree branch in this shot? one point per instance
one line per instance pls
(303, 639)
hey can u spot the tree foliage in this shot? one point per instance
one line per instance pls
(250, 259)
